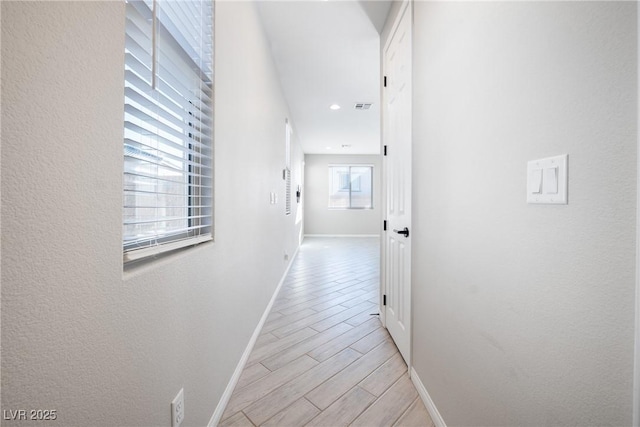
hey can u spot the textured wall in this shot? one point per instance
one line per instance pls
(79, 336)
(319, 219)
(524, 314)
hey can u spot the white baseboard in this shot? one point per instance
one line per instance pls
(222, 404)
(341, 235)
(426, 399)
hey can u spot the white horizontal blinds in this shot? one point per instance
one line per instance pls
(287, 156)
(167, 125)
(287, 202)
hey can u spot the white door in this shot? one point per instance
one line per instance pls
(397, 141)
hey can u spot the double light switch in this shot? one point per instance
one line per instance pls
(547, 180)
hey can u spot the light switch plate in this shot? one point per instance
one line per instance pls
(546, 169)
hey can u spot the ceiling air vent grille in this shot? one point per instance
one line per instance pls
(363, 106)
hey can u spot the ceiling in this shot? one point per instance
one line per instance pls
(327, 52)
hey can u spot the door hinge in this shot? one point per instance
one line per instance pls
(385, 150)
(384, 225)
(384, 300)
(385, 81)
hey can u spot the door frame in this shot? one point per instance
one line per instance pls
(636, 368)
(405, 7)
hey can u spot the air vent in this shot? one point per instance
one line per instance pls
(363, 106)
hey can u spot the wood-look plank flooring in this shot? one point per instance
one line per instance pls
(323, 358)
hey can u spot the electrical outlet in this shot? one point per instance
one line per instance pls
(177, 409)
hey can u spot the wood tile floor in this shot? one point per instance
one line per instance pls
(322, 358)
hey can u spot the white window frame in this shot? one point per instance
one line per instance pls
(349, 189)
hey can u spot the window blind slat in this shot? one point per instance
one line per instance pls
(154, 122)
(138, 45)
(137, 84)
(180, 17)
(154, 177)
(166, 154)
(144, 192)
(138, 27)
(167, 207)
(172, 49)
(165, 219)
(174, 74)
(132, 95)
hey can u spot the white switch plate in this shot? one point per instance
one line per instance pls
(177, 409)
(540, 192)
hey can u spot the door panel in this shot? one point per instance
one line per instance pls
(397, 138)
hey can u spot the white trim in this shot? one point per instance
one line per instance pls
(636, 368)
(394, 27)
(226, 395)
(341, 235)
(136, 254)
(426, 399)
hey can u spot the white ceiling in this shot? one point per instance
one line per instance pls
(327, 52)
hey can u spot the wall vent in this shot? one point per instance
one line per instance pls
(363, 106)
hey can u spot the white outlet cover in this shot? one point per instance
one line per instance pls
(177, 409)
(539, 191)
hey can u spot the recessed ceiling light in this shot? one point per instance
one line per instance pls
(334, 107)
(328, 148)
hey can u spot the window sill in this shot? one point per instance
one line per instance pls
(148, 254)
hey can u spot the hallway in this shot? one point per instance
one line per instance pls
(322, 359)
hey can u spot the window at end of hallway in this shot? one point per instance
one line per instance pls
(168, 126)
(350, 187)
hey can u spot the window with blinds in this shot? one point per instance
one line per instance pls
(168, 126)
(287, 192)
(287, 170)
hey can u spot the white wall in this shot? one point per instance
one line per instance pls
(319, 219)
(636, 380)
(524, 314)
(100, 346)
